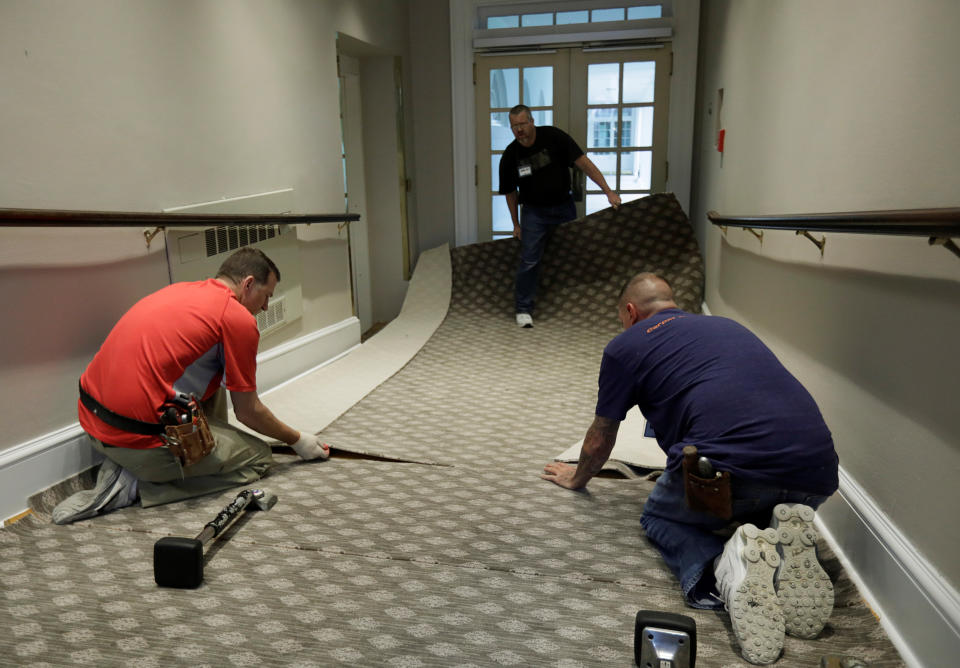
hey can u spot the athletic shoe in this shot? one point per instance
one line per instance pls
(525, 320)
(744, 573)
(116, 488)
(804, 588)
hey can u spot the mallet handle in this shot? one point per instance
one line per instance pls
(227, 515)
(206, 535)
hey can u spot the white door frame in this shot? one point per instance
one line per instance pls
(558, 60)
(683, 91)
(351, 129)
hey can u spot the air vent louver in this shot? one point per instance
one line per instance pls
(225, 239)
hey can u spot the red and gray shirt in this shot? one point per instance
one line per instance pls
(186, 337)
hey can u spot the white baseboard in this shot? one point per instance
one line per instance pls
(917, 608)
(290, 359)
(29, 467)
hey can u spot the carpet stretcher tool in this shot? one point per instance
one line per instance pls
(664, 640)
(178, 562)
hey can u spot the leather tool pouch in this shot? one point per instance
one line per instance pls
(192, 441)
(709, 495)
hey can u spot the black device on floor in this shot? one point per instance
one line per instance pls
(664, 640)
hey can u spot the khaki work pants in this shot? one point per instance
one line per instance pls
(239, 458)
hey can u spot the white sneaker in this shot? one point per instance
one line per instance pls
(804, 588)
(525, 320)
(745, 580)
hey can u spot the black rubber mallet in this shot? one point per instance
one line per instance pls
(178, 562)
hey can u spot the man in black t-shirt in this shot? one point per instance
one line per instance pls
(535, 173)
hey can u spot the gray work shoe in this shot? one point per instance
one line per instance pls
(525, 320)
(116, 488)
(744, 573)
(804, 588)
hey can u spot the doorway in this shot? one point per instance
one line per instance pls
(612, 101)
(354, 186)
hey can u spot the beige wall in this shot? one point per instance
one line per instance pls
(430, 90)
(141, 105)
(843, 106)
(382, 172)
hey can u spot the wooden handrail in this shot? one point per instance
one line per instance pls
(940, 223)
(69, 218)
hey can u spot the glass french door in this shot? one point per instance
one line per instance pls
(613, 102)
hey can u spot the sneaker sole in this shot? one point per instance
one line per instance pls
(804, 588)
(754, 607)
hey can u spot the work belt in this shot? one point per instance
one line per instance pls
(118, 421)
(185, 430)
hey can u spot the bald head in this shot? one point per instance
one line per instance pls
(643, 296)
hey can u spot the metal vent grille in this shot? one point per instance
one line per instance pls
(273, 317)
(224, 239)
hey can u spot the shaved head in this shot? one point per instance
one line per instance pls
(644, 295)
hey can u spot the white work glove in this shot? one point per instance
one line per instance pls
(309, 446)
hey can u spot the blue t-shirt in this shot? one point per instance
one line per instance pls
(708, 381)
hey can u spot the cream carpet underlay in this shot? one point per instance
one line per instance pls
(632, 447)
(314, 400)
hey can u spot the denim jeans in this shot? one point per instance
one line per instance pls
(690, 540)
(537, 223)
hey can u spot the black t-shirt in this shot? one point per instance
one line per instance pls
(542, 171)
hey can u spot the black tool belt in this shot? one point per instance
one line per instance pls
(119, 421)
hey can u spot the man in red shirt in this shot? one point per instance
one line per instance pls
(185, 339)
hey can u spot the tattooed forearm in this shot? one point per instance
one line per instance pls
(603, 429)
(597, 445)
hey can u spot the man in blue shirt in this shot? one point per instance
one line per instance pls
(709, 382)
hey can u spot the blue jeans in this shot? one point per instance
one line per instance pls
(537, 223)
(690, 540)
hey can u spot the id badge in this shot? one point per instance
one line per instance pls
(525, 170)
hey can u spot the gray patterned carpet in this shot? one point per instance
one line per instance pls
(470, 560)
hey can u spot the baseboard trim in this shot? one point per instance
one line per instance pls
(35, 465)
(293, 358)
(917, 608)
(27, 468)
